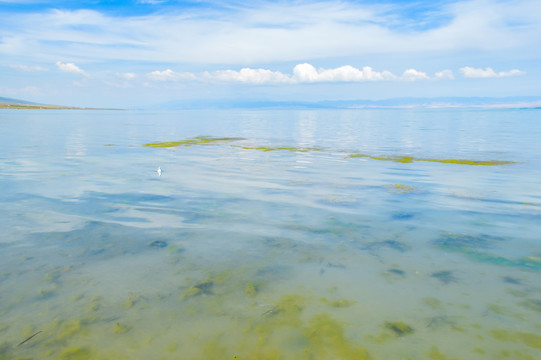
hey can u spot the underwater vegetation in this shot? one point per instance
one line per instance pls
(204, 287)
(446, 277)
(397, 272)
(409, 159)
(198, 140)
(75, 354)
(399, 328)
(433, 303)
(281, 148)
(158, 244)
(342, 303)
(528, 339)
(436, 354)
(469, 245)
(454, 241)
(402, 216)
(326, 340)
(391, 244)
(511, 280)
(403, 188)
(532, 304)
(208, 140)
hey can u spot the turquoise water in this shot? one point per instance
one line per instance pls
(270, 234)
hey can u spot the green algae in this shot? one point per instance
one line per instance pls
(516, 355)
(404, 159)
(436, 354)
(54, 275)
(326, 340)
(454, 240)
(341, 303)
(200, 288)
(391, 244)
(404, 188)
(528, 339)
(399, 328)
(433, 303)
(198, 140)
(472, 246)
(252, 288)
(469, 162)
(532, 304)
(61, 331)
(120, 328)
(131, 301)
(281, 148)
(410, 159)
(47, 292)
(77, 353)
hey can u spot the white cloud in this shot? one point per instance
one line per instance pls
(247, 75)
(470, 72)
(302, 73)
(70, 68)
(127, 76)
(414, 75)
(28, 68)
(444, 75)
(273, 31)
(170, 75)
(308, 73)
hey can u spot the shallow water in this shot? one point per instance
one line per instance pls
(277, 242)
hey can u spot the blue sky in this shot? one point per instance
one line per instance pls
(143, 52)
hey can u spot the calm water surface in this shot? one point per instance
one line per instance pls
(297, 237)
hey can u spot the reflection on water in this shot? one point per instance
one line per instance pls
(239, 253)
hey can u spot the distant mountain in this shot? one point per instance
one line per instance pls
(428, 103)
(9, 101)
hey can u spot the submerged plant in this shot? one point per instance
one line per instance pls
(326, 340)
(445, 277)
(399, 328)
(198, 140)
(409, 159)
(403, 188)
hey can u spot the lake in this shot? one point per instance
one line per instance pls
(270, 234)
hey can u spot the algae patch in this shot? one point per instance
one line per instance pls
(399, 328)
(528, 339)
(198, 140)
(282, 148)
(404, 188)
(326, 340)
(410, 159)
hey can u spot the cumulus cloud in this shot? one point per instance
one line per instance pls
(444, 75)
(70, 68)
(247, 75)
(470, 72)
(308, 73)
(170, 75)
(302, 73)
(414, 75)
(127, 76)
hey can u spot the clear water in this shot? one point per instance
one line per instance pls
(235, 252)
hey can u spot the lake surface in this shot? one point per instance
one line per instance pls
(325, 234)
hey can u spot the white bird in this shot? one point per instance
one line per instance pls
(159, 171)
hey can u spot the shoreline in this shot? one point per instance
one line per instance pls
(48, 107)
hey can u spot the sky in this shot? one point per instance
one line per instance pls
(145, 52)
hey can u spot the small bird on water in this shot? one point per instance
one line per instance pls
(159, 171)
